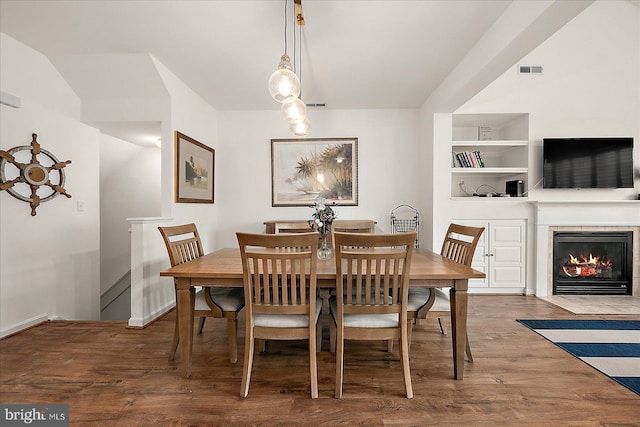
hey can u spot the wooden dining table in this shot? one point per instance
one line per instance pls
(224, 268)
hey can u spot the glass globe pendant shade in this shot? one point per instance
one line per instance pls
(301, 128)
(294, 111)
(284, 85)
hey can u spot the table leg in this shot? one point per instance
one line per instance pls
(184, 306)
(458, 298)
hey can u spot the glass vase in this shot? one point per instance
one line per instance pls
(324, 252)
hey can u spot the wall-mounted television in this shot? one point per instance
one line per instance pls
(587, 162)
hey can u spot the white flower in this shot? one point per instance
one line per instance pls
(320, 224)
(317, 221)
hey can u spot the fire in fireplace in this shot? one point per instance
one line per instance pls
(592, 263)
(591, 266)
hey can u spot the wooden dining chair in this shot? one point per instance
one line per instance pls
(279, 273)
(292, 227)
(459, 245)
(372, 283)
(183, 244)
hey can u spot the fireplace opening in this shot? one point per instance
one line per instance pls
(592, 262)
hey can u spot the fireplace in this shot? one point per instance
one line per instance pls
(592, 262)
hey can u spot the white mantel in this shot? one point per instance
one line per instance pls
(564, 214)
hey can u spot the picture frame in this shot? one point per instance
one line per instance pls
(303, 170)
(194, 170)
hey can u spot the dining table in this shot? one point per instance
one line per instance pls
(223, 267)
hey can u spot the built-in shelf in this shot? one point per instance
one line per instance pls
(501, 141)
(509, 171)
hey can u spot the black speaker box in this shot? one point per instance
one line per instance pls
(515, 188)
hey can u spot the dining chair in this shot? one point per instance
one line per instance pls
(292, 227)
(372, 283)
(459, 245)
(279, 273)
(183, 244)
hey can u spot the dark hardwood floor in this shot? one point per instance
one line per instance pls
(114, 376)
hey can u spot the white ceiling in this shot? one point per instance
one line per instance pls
(356, 54)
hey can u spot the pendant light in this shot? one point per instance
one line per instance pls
(301, 128)
(294, 111)
(284, 85)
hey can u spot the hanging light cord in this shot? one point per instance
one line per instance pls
(300, 56)
(285, 26)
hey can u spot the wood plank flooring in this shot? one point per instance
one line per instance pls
(114, 376)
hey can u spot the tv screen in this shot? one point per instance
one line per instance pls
(587, 162)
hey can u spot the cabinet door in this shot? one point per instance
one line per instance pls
(506, 255)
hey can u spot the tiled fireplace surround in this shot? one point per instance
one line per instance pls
(550, 216)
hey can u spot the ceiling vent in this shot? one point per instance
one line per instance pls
(529, 69)
(320, 105)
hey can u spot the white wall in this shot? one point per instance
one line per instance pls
(387, 165)
(189, 114)
(590, 88)
(129, 187)
(49, 264)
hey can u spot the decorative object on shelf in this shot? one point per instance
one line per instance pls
(285, 86)
(34, 174)
(304, 169)
(194, 170)
(406, 218)
(487, 133)
(323, 217)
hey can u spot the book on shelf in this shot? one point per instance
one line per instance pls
(466, 159)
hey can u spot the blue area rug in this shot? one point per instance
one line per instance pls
(610, 346)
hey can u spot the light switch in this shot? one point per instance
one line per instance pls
(80, 206)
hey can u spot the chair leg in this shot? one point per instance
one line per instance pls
(468, 350)
(404, 358)
(201, 325)
(332, 335)
(339, 363)
(313, 361)
(409, 333)
(248, 362)
(232, 334)
(319, 335)
(174, 342)
(441, 327)
(390, 346)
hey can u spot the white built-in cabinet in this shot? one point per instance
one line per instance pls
(501, 255)
(502, 141)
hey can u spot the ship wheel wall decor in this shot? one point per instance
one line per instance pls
(23, 180)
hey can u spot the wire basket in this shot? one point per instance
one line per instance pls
(405, 218)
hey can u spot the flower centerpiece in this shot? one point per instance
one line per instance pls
(323, 217)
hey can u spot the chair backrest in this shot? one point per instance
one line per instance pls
(353, 226)
(182, 242)
(279, 272)
(292, 227)
(372, 272)
(460, 243)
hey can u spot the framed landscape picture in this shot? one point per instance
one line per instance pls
(193, 171)
(304, 169)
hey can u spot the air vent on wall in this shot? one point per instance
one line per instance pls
(529, 69)
(317, 105)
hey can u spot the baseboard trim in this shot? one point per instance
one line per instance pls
(19, 327)
(139, 323)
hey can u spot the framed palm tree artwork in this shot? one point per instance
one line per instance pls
(303, 170)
